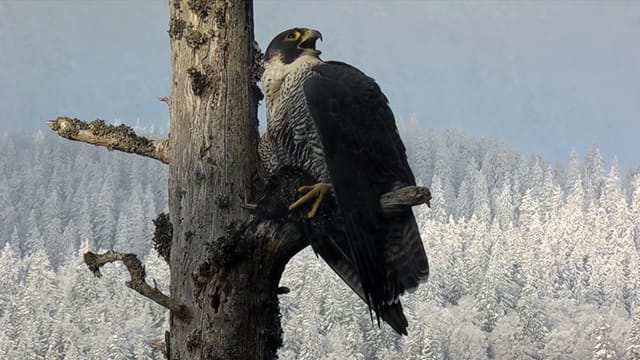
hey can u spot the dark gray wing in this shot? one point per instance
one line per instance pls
(366, 158)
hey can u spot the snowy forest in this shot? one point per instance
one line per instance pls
(528, 260)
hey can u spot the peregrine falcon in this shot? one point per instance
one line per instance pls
(332, 121)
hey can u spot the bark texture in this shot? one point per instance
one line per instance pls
(221, 274)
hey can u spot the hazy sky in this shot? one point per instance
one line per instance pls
(542, 77)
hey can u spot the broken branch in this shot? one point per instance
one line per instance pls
(137, 282)
(164, 99)
(120, 137)
(406, 197)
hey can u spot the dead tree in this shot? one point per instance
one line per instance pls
(226, 259)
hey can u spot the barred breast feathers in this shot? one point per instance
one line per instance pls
(290, 132)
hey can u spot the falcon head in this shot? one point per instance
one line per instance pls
(293, 43)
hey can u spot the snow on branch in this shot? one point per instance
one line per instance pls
(137, 282)
(120, 137)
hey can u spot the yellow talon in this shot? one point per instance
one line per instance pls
(316, 192)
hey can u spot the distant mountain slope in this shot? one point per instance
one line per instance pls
(527, 261)
(73, 191)
(55, 193)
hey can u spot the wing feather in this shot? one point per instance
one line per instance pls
(366, 158)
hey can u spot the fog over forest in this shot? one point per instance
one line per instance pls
(528, 260)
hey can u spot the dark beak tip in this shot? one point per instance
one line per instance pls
(317, 34)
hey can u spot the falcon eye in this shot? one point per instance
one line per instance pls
(292, 36)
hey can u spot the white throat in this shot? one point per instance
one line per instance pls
(278, 77)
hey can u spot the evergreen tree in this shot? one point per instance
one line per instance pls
(481, 208)
(8, 214)
(130, 228)
(633, 350)
(550, 196)
(477, 253)
(533, 318)
(15, 241)
(438, 207)
(468, 342)
(9, 279)
(532, 175)
(464, 201)
(456, 281)
(604, 348)
(52, 233)
(104, 221)
(575, 193)
(84, 221)
(34, 240)
(37, 305)
(498, 293)
(614, 202)
(507, 340)
(503, 204)
(529, 218)
(635, 208)
(593, 175)
(573, 171)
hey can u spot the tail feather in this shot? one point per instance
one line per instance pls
(393, 315)
(405, 258)
(403, 263)
(332, 253)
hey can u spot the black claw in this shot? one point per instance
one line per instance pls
(283, 290)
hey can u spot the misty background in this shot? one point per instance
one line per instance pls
(542, 77)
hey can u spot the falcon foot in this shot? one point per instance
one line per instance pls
(316, 192)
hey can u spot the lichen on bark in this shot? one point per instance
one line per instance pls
(201, 81)
(200, 7)
(176, 28)
(162, 236)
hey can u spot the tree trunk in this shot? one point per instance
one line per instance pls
(225, 278)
